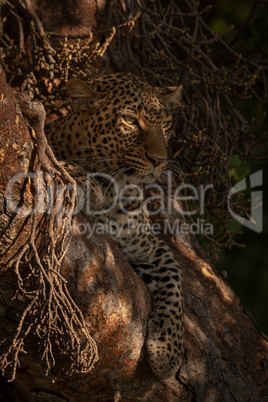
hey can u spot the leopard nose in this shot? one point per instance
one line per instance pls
(157, 161)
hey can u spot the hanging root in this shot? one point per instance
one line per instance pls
(51, 313)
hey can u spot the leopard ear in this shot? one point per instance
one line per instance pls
(82, 94)
(172, 96)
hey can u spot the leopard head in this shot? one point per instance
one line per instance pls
(121, 124)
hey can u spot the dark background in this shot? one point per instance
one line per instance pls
(247, 267)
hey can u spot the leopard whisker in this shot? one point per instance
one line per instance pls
(115, 177)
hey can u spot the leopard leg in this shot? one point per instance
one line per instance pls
(155, 263)
(162, 276)
(165, 327)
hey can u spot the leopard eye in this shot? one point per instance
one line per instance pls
(166, 124)
(130, 120)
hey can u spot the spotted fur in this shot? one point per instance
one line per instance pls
(120, 126)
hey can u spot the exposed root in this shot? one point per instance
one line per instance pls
(51, 312)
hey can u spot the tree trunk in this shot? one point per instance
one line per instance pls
(226, 357)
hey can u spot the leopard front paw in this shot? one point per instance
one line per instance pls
(164, 345)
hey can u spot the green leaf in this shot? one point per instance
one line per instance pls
(238, 169)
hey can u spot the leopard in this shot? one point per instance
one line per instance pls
(115, 139)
